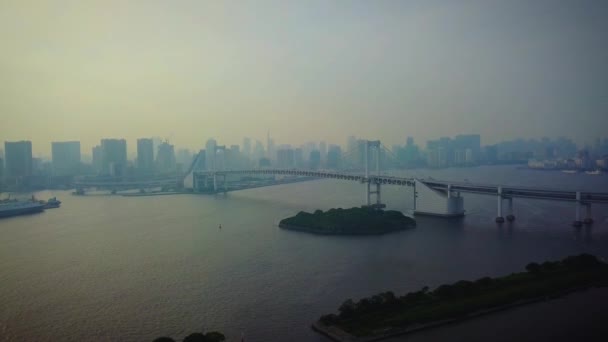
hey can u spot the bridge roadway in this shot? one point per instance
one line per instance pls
(442, 186)
(127, 184)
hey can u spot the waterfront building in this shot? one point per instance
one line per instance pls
(247, 147)
(145, 156)
(165, 158)
(65, 158)
(323, 152)
(18, 157)
(113, 157)
(298, 155)
(285, 157)
(314, 161)
(210, 148)
(334, 157)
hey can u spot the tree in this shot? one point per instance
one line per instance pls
(347, 309)
(195, 337)
(533, 268)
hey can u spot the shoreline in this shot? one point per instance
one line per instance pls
(336, 334)
(323, 232)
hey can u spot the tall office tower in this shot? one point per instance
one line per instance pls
(113, 157)
(247, 147)
(220, 157)
(18, 157)
(315, 159)
(210, 152)
(285, 157)
(323, 151)
(334, 157)
(145, 156)
(66, 158)
(165, 158)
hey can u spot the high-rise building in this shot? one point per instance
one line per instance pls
(334, 157)
(66, 158)
(298, 155)
(220, 157)
(285, 157)
(323, 151)
(165, 158)
(210, 153)
(18, 161)
(233, 157)
(1, 171)
(247, 147)
(468, 141)
(315, 159)
(145, 156)
(184, 157)
(113, 157)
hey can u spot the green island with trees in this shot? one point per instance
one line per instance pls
(353, 221)
(385, 314)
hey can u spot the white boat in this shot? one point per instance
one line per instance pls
(14, 208)
(569, 171)
(594, 172)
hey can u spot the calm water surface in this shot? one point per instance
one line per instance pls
(112, 268)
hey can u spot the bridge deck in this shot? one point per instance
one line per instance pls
(482, 189)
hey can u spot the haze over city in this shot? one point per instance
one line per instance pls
(303, 171)
(313, 70)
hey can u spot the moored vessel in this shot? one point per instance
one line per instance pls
(52, 203)
(15, 208)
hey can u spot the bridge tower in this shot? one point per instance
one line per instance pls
(372, 149)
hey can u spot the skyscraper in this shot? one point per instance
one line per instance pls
(145, 156)
(165, 158)
(18, 158)
(113, 156)
(334, 157)
(66, 158)
(210, 151)
(247, 147)
(323, 151)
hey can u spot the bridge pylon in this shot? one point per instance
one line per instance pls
(372, 149)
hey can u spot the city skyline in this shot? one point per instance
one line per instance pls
(226, 70)
(132, 146)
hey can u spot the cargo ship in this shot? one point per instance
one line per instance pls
(10, 208)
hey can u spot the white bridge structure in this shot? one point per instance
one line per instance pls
(431, 197)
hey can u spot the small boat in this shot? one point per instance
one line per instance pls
(52, 203)
(569, 171)
(594, 172)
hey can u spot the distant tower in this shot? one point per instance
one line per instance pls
(210, 152)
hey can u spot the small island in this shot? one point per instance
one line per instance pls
(385, 315)
(353, 221)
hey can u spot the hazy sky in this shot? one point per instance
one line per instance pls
(305, 70)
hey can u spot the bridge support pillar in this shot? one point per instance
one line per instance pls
(378, 199)
(577, 219)
(499, 218)
(214, 182)
(510, 216)
(368, 201)
(588, 220)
